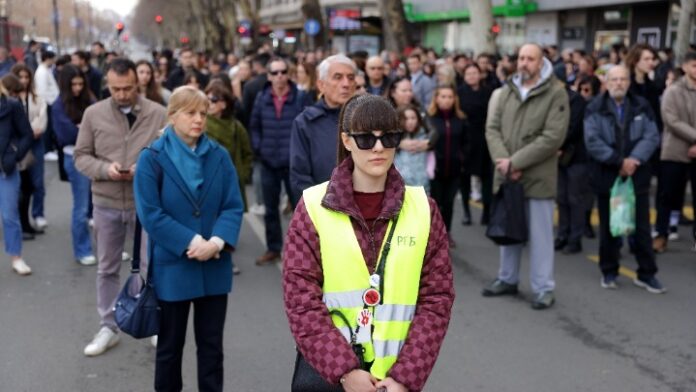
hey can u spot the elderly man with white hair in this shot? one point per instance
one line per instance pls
(621, 136)
(314, 133)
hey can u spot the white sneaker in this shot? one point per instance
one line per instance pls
(87, 260)
(258, 209)
(40, 223)
(50, 156)
(21, 268)
(125, 256)
(153, 341)
(103, 340)
(91, 223)
(673, 236)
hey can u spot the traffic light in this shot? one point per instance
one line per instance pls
(184, 40)
(244, 31)
(119, 28)
(159, 19)
(495, 29)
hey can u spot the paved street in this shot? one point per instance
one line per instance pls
(592, 340)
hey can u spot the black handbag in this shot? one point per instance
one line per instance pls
(306, 379)
(508, 219)
(137, 311)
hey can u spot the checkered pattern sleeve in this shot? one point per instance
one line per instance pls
(435, 299)
(318, 340)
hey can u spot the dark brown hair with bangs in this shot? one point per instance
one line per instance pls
(365, 113)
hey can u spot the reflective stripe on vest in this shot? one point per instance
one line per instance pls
(346, 276)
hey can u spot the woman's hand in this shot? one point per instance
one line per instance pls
(391, 385)
(203, 251)
(359, 381)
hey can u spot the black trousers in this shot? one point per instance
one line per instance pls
(609, 246)
(271, 181)
(465, 188)
(443, 191)
(208, 324)
(572, 200)
(26, 189)
(670, 192)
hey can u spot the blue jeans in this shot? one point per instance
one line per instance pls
(36, 171)
(271, 180)
(9, 201)
(82, 243)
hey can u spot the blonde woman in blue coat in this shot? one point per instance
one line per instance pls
(188, 201)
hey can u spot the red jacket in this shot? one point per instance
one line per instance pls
(318, 340)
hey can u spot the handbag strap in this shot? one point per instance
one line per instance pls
(137, 238)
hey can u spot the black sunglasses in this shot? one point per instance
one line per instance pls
(214, 99)
(367, 140)
(281, 72)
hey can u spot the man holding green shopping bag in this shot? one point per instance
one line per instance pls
(620, 136)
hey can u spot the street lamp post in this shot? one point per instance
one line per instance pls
(77, 25)
(160, 37)
(56, 25)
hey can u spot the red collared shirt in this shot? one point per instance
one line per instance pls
(278, 102)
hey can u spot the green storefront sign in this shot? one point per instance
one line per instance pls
(510, 8)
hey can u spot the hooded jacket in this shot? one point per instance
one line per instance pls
(15, 134)
(609, 141)
(679, 117)
(529, 128)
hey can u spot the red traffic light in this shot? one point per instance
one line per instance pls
(119, 26)
(159, 19)
(495, 29)
(184, 40)
(241, 30)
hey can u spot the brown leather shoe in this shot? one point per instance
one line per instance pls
(660, 244)
(267, 258)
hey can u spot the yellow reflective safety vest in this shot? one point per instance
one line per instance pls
(346, 276)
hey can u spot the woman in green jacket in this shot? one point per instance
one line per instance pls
(225, 129)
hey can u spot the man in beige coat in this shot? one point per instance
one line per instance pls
(678, 149)
(111, 136)
(526, 126)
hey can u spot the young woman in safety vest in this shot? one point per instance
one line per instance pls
(366, 267)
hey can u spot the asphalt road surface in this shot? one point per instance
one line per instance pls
(591, 340)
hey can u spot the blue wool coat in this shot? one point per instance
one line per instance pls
(172, 216)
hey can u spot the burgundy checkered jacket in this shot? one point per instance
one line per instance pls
(318, 340)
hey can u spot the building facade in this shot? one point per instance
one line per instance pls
(576, 24)
(353, 25)
(350, 25)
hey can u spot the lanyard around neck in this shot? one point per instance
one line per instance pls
(382, 262)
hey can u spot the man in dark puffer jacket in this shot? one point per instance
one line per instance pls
(274, 110)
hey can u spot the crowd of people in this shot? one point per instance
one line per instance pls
(564, 124)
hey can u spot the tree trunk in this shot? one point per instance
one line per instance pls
(229, 16)
(481, 20)
(396, 37)
(686, 17)
(312, 10)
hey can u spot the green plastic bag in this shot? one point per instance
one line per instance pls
(622, 207)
